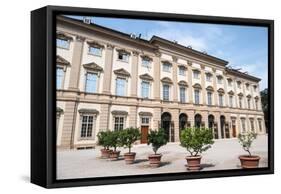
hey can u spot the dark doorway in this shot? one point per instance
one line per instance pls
(197, 120)
(233, 124)
(211, 125)
(222, 122)
(166, 123)
(182, 122)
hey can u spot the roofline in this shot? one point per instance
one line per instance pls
(193, 51)
(244, 75)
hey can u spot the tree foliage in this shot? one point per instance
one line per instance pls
(129, 136)
(246, 140)
(196, 140)
(114, 139)
(264, 102)
(103, 139)
(157, 139)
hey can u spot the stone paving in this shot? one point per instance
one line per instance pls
(87, 163)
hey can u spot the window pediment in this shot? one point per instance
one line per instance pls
(59, 110)
(93, 66)
(145, 57)
(146, 76)
(210, 88)
(256, 97)
(197, 86)
(88, 111)
(63, 36)
(119, 112)
(122, 72)
(249, 96)
(60, 60)
(149, 114)
(123, 51)
(182, 67)
(95, 44)
(221, 91)
(167, 63)
(209, 73)
(167, 80)
(183, 83)
(231, 92)
(240, 94)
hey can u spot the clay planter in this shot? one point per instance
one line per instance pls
(114, 155)
(193, 163)
(105, 153)
(249, 161)
(130, 157)
(155, 160)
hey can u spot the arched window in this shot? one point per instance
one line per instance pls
(197, 120)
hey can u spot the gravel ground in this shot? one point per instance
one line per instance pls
(87, 163)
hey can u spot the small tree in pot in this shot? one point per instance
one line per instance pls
(196, 141)
(246, 140)
(156, 139)
(114, 141)
(128, 137)
(103, 140)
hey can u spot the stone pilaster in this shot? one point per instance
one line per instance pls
(104, 117)
(156, 118)
(175, 118)
(134, 83)
(76, 63)
(133, 116)
(157, 72)
(175, 79)
(108, 69)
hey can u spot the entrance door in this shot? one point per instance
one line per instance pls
(144, 133)
(222, 122)
(166, 124)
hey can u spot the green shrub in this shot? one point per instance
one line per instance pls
(246, 140)
(157, 139)
(103, 139)
(196, 140)
(114, 139)
(129, 136)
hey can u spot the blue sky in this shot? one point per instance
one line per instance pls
(243, 47)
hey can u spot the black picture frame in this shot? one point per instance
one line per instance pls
(43, 96)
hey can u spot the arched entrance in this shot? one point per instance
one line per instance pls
(211, 125)
(197, 120)
(166, 124)
(182, 121)
(222, 122)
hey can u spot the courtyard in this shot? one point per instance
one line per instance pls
(87, 163)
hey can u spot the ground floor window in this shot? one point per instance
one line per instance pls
(252, 125)
(119, 123)
(260, 125)
(144, 120)
(87, 126)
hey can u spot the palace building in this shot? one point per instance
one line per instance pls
(109, 80)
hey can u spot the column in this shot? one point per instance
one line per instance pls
(104, 117)
(76, 63)
(132, 116)
(175, 118)
(203, 82)
(190, 83)
(134, 83)
(157, 72)
(108, 69)
(175, 79)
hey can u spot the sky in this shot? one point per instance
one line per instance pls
(244, 47)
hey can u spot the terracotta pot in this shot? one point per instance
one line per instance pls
(130, 157)
(105, 153)
(114, 155)
(155, 160)
(193, 163)
(249, 161)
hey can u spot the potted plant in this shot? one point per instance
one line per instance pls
(103, 140)
(128, 137)
(246, 140)
(156, 139)
(196, 141)
(114, 142)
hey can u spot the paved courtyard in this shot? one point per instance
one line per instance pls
(87, 163)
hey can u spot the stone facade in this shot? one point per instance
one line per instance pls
(163, 84)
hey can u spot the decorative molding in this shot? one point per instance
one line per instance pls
(167, 80)
(210, 88)
(231, 92)
(189, 63)
(88, 111)
(175, 58)
(80, 38)
(146, 76)
(220, 90)
(249, 96)
(209, 73)
(135, 53)
(122, 72)
(197, 86)
(145, 57)
(240, 94)
(119, 112)
(63, 36)
(59, 110)
(182, 66)
(257, 97)
(95, 44)
(123, 51)
(148, 114)
(157, 53)
(166, 62)
(183, 83)
(60, 60)
(93, 66)
(110, 46)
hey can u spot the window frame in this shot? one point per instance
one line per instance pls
(97, 81)
(182, 71)
(209, 100)
(148, 92)
(168, 65)
(93, 129)
(125, 87)
(119, 123)
(63, 77)
(163, 92)
(182, 100)
(195, 101)
(97, 47)
(63, 39)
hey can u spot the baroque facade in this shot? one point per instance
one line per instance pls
(108, 80)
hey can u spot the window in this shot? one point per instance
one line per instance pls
(196, 97)
(219, 80)
(257, 104)
(145, 62)
(123, 56)
(119, 122)
(95, 51)
(247, 86)
(252, 125)
(220, 100)
(91, 82)
(260, 124)
(243, 125)
(239, 84)
(196, 74)
(209, 97)
(145, 120)
(120, 87)
(181, 70)
(86, 126)
(240, 102)
(145, 89)
(166, 67)
(208, 77)
(63, 43)
(60, 77)
(231, 101)
(249, 103)
(255, 88)
(182, 94)
(166, 92)
(230, 82)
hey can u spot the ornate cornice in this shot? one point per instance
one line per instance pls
(146, 76)
(119, 112)
(183, 83)
(167, 80)
(88, 111)
(93, 66)
(122, 72)
(197, 86)
(60, 60)
(210, 88)
(148, 114)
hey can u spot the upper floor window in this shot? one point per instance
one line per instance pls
(146, 62)
(229, 82)
(181, 70)
(87, 126)
(196, 74)
(166, 92)
(196, 96)
(240, 102)
(260, 124)
(91, 82)
(123, 56)
(121, 86)
(119, 123)
(94, 50)
(247, 86)
(182, 94)
(252, 125)
(208, 77)
(231, 101)
(209, 98)
(145, 87)
(220, 99)
(63, 43)
(255, 88)
(166, 67)
(219, 79)
(60, 77)
(249, 103)
(239, 84)
(257, 103)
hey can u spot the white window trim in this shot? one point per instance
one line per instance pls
(98, 80)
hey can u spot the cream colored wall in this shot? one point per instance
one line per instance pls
(61, 105)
